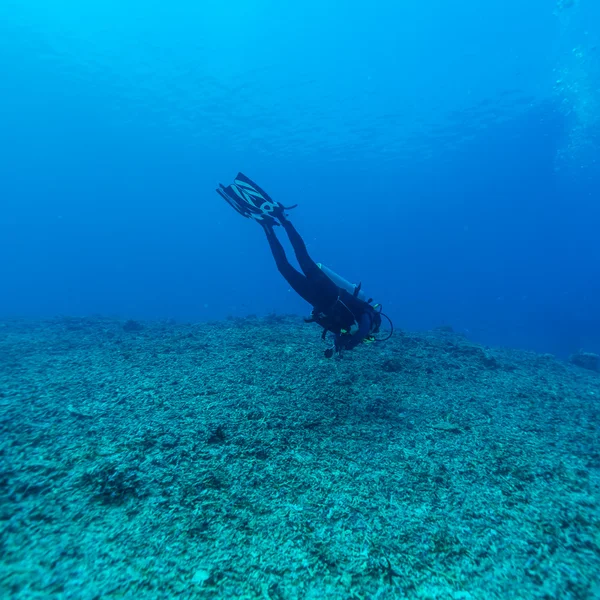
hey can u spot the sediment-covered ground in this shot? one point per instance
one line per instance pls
(232, 460)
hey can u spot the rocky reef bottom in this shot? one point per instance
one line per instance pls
(232, 460)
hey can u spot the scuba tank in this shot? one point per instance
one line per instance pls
(356, 292)
(351, 288)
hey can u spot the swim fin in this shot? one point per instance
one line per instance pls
(251, 201)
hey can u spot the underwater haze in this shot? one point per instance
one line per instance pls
(443, 153)
(169, 425)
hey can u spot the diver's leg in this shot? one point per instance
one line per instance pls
(325, 292)
(307, 264)
(299, 282)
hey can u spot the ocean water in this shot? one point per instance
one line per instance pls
(169, 425)
(444, 154)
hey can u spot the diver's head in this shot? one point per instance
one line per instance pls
(376, 323)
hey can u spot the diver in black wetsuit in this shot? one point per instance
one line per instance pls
(350, 318)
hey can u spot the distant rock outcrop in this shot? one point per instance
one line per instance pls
(132, 325)
(587, 360)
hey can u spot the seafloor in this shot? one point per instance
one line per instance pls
(231, 460)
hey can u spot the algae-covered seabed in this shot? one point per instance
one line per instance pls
(231, 460)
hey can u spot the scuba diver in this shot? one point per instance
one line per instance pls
(339, 307)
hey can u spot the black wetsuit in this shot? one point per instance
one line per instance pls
(336, 308)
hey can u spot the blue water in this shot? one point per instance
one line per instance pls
(444, 153)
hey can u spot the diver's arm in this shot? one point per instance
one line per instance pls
(364, 329)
